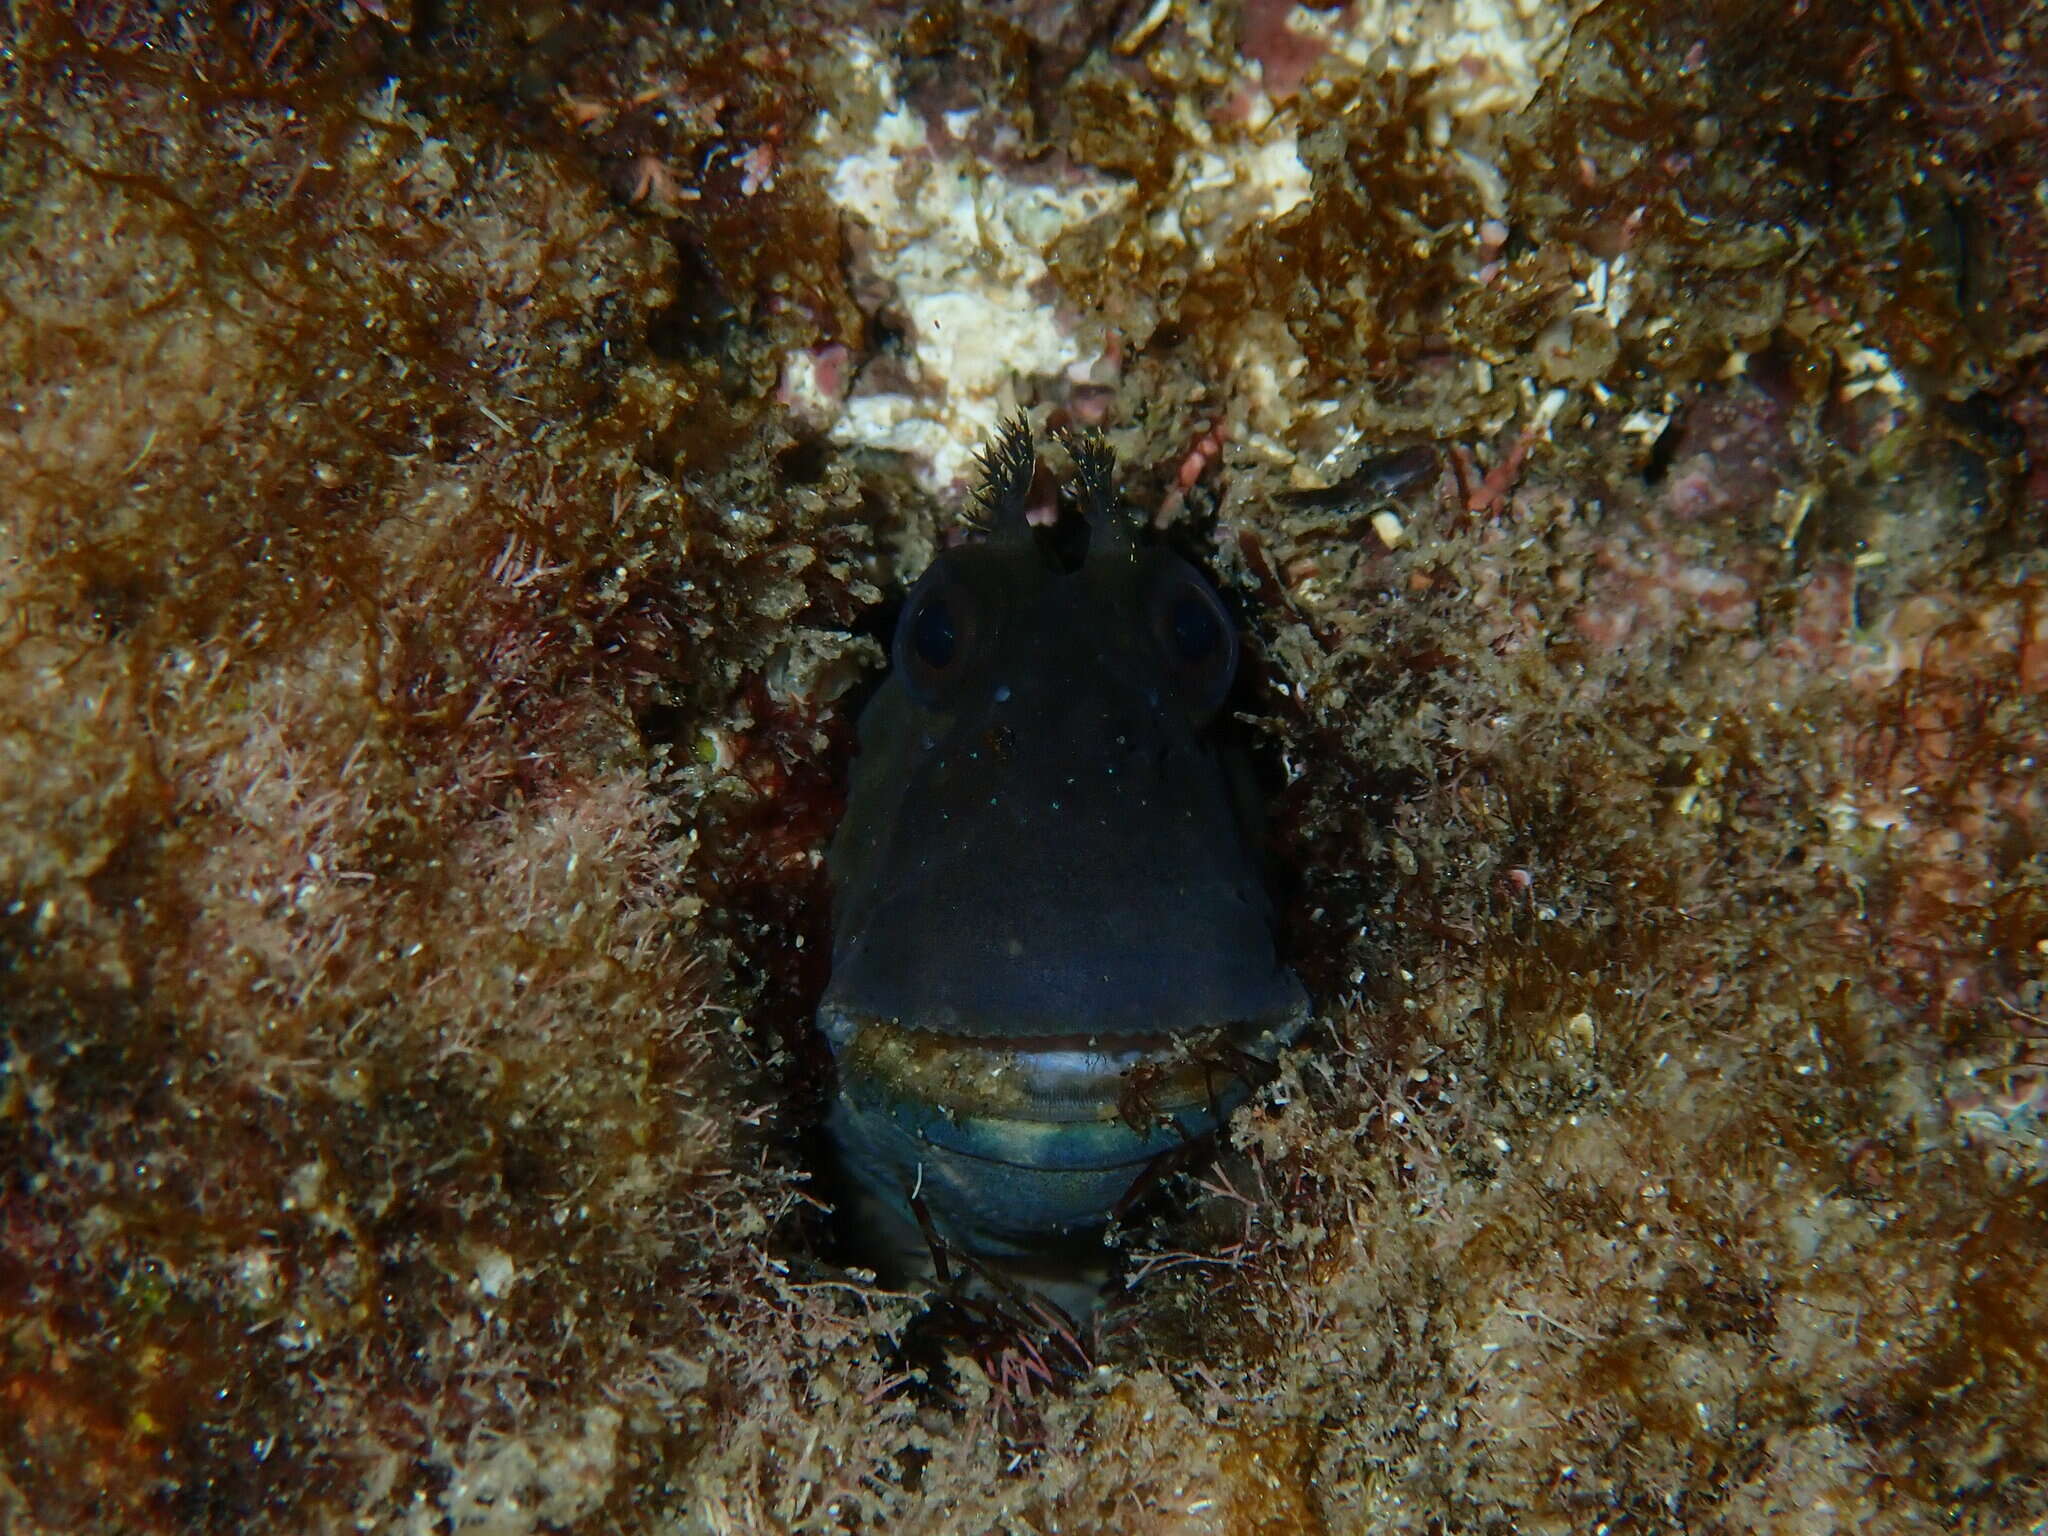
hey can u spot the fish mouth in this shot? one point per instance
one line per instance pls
(1140, 1081)
(1003, 1144)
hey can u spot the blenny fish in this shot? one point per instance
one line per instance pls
(1053, 953)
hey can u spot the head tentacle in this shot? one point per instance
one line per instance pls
(1093, 489)
(1008, 465)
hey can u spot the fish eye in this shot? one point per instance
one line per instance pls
(1194, 630)
(933, 634)
(935, 638)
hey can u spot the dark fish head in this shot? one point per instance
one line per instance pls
(1046, 850)
(1043, 836)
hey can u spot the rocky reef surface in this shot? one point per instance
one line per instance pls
(455, 460)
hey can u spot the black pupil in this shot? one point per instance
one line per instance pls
(932, 634)
(1196, 633)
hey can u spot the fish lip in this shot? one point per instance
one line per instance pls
(1075, 1080)
(1264, 1037)
(1031, 1148)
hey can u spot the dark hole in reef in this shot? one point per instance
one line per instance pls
(1664, 449)
(529, 1165)
(127, 874)
(660, 724)
(888, 331)
(119, 600)
(1981, 421)
(1775, 371)
(698, 320)
(1988, 450)
(805, 461)
(910, 1463)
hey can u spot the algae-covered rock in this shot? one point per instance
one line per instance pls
(455, 463)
